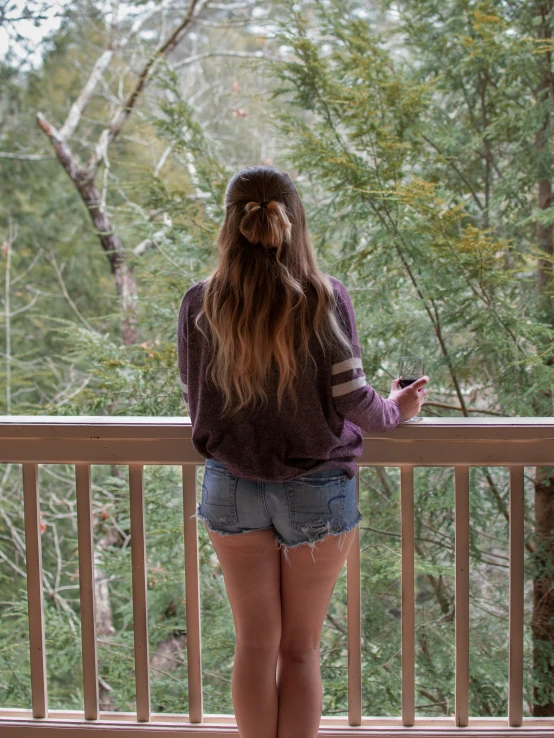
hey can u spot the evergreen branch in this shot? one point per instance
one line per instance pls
(444, 546)
(456, 169)
(435, 321)
(529, 545)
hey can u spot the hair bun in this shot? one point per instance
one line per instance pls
(271, 231)
(253, 205)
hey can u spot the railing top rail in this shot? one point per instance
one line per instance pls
(167, 440)
(491, 427)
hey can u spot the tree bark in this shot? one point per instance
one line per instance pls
(543, 595)
(84, 183)
(543, 578)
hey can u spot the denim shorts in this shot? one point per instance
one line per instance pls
(301, 511)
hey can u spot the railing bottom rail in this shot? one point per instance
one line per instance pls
(126, 726)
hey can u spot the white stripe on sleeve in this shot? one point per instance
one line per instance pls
(344, 366)
(343, 389)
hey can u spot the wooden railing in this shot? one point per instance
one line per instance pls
(84, 441)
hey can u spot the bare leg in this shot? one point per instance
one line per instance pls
(251, 570)
(306, 590)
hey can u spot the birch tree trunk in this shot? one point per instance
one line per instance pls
(83, 179)
(83, 176)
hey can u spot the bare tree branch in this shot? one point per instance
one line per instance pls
(227, 24)
(125, 110)
(76, 110)
(83, 176)
(124, 278)
(14, 566)
(25, 157)
(241, 54)
(230, 6)
(52, 259)
(101, 64)
(459, 409)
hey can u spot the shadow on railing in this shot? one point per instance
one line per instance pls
(135, 442)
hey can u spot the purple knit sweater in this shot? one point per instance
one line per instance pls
(334, 402)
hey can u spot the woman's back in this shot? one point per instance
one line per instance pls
(322, 432)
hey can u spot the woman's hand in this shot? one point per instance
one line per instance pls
(411, 398)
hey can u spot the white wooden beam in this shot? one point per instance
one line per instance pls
(408, 591)
(140, 600)
(33, 557)
(462, 595)
(86, 591)
(515, 658)
(192, 595)
(354, 626)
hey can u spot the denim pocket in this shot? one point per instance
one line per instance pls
(324, 475)
(317, 504)
(218, 504)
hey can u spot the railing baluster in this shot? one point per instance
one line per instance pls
(462, 595)
(354, 624)
(140, 603)
(515, 658)
(33, 557)
(86, 591)
(192, 594)
(408, 608)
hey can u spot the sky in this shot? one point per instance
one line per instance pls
(28, 49)
(31, 35)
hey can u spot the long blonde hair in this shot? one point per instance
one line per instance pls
(267, 295)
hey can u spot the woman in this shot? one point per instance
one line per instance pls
(273, 382)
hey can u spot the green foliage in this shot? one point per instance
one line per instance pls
(413, 137)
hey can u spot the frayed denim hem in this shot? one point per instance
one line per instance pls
(325, 533)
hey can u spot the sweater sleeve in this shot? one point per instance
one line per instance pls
(182, 352)
(353, 398)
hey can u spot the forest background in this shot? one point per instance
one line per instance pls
(419, 136)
